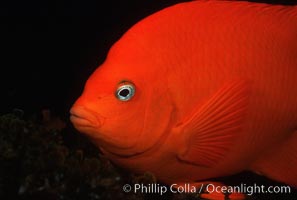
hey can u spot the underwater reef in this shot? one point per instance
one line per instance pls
(43, 157)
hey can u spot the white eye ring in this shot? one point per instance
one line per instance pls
(125, 91)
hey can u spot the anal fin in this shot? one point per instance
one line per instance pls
(281, 163)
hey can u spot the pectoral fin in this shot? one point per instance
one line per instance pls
(212, 128)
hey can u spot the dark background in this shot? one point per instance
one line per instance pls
(49, 48)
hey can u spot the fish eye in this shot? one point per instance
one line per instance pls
(125, 91)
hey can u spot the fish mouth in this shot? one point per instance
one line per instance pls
(79, 121)
(81, 117)
(90, 123)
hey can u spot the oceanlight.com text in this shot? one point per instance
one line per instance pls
(249, 189)
(156, 188)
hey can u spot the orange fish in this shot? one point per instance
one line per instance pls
(199, 90)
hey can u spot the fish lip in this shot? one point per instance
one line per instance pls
(121, 155)
(80, 121)
(82, 117)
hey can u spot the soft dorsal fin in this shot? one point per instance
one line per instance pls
(212, 128)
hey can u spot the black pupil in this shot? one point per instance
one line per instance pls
(124, 92)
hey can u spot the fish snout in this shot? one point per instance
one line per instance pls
(83, 117)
